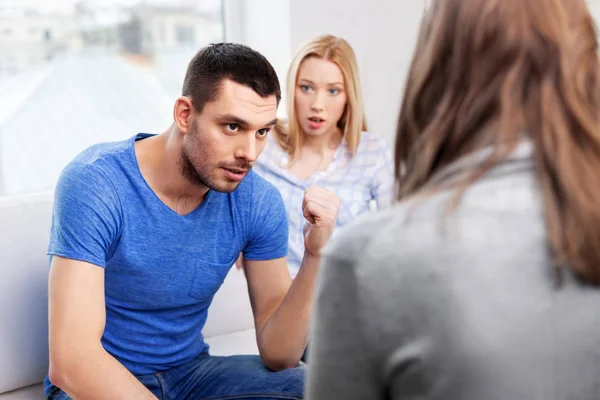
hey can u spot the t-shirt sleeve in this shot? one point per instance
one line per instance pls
(86, 218)
(268, 236)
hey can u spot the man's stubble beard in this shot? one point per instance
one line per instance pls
(193, 175)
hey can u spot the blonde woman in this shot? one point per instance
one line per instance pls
(483, 282)
(325, 141)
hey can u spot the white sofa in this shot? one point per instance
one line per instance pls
(25, 222)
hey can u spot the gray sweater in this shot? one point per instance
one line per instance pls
(465, 307)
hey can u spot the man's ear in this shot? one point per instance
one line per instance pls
(183, 113)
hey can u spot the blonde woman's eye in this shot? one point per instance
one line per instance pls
(334, 91)
(305, 88)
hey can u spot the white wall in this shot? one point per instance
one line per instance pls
(594, 6)
(382, 33)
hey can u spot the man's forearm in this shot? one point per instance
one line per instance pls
(284, 337)
(98, 376)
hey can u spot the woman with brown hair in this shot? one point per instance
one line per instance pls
(482, 283)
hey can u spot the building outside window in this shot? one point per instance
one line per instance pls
(77, 72)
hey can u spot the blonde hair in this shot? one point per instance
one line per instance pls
(511, 66)
(352, 123)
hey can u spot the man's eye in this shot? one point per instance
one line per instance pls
(262, 132)
(233, 127)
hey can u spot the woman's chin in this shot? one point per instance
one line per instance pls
(309, 131)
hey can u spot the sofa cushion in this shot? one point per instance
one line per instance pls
(33, 392)
(24, 289)
(242, 342)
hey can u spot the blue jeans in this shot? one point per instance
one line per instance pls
(220, 378)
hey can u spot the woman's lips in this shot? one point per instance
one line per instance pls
(315, 122)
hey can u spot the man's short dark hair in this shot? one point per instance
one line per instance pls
(233, 61)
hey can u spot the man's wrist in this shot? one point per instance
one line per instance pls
(311, 257)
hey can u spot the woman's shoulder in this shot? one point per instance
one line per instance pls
(372, 150)
(371, 142)
(408, 224)
(272, 152)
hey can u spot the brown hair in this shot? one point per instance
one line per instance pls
(237, 62)
(487, 71)
(352, 123)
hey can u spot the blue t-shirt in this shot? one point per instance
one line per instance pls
(161, 269)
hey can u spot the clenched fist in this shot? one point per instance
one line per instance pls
(320, 208)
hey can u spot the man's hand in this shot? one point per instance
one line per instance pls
(320, 208)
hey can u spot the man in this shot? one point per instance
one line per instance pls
(144, 232)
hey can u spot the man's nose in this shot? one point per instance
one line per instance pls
(247, 148)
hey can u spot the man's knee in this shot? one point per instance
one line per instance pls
(290, 381)
(58, 395)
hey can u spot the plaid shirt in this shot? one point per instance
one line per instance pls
(363, 182)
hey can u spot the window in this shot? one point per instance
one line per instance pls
(90, 75)
(185, 34)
